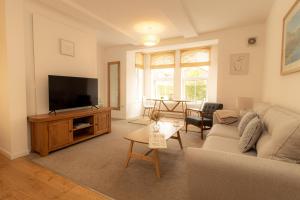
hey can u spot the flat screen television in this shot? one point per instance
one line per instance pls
(72, 92)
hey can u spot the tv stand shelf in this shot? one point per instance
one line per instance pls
(80, 128)
(51, 132)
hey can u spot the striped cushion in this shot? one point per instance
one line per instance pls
(251, 134)
(245, 120)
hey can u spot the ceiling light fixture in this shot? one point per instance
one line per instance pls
(149, 27)
(151, 40)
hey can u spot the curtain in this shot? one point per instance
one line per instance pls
(139, 60)
(195, 57)
(163, 60)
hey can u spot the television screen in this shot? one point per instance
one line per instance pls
(71, 92)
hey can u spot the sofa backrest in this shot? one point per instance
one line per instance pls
(281, 138)
(261, 108)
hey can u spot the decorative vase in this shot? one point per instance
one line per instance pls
(156, 127)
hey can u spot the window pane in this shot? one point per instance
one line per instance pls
(159, 74)
(162, 83)
(196, 72)
(164, 89)
(194, 83)
(195, 90)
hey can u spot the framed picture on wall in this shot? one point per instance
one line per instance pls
(239, 64)
(291, 41)
(67, 48)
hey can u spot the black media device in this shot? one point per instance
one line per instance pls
(72, 92)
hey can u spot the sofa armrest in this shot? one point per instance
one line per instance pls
(218, 175)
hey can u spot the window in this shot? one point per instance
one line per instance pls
(162, 74)
(194, 83)
(194, 73)
(162, 83)
(139, 76)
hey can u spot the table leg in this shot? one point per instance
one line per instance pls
(154, 105)
(159, 105)
(129, 154)
(179, 139)
(183, 109)
(156, 162)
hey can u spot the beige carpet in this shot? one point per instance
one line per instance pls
(141, 120)
(99, 164)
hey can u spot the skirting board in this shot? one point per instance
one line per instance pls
(15, 155)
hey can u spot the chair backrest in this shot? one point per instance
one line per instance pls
(210, 108)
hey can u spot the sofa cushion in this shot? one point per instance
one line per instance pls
(223, 130)
(281, 140)
(251, 134)
(230, 145)
(245, 120)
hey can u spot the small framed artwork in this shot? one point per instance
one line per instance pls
(239, 64)
(67, 48)
(291, 41)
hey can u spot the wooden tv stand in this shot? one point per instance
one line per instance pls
(50, 132)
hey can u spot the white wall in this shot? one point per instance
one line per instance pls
(28, 53)
(277, 89)
(232, 86)
(5, 144)
(228, 87)
(43, 30)
(13, 116)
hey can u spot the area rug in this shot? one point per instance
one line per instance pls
(99, 164)
(140, 120)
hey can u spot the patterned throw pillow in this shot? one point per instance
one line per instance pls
(251, 134)
(245, 120)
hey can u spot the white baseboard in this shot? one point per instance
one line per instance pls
(20, 154)
(6, 153)
(13, 156)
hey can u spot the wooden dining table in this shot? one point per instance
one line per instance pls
(163, 103)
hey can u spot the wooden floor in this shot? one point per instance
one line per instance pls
(21, 179)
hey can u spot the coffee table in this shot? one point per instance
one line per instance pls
(168, 129)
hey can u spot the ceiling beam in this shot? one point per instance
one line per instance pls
(72, 5)
(179, 16)
(105, 22)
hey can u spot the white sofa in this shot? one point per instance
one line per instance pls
(219, 170)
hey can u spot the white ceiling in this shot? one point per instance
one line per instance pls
(116, 20)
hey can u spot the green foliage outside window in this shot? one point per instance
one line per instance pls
(195, 90)
(195, 83)
(164, 91)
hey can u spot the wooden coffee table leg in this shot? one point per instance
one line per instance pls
(129, 153)
(179, 139)
(156, 162)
